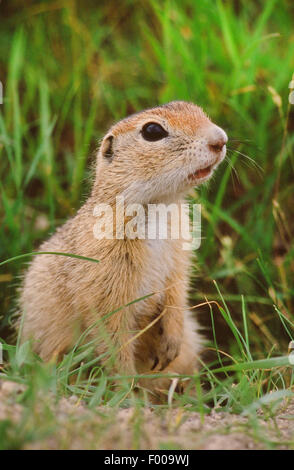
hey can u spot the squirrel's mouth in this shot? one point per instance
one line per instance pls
(200, 174)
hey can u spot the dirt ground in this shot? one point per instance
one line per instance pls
(69, 424)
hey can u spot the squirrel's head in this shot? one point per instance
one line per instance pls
(159, 153)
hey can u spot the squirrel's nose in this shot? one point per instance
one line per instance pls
(216, 139)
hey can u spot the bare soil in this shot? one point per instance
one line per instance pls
(70, 424)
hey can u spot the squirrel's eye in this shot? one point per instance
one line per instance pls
(153, 131)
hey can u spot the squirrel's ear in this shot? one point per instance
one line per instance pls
(106, 148)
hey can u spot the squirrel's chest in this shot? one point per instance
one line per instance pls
(158, 268)
(160, 259)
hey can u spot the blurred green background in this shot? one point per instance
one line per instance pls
(70, 69)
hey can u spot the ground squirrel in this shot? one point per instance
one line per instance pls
(154, 156)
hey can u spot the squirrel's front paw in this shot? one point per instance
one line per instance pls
(166, 352)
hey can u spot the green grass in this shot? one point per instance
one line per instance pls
(68, 72)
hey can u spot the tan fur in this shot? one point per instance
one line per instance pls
(62, 296)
